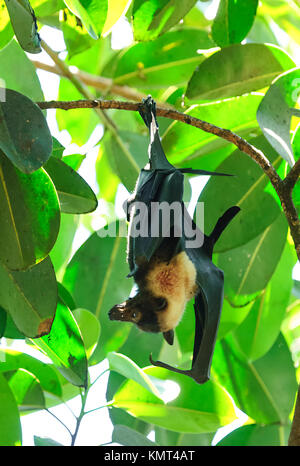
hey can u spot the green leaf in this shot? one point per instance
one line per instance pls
(89, 327)
(198, 408)
(129, 437)
(91, 278)
(74, 160)
(12, 60)
(75, 36)
(246, 189)
(6, 30)
(152, 18)
(184, 142)
(3, 319)
(57, 148)
(261, 327)
(232, 317)
(26, 389)
(233, 21)
(125, 366)
(23, 21)
(168, 60)
(61, 252)
(275, 112)
(264, 389)
(12, 360)
(236, 70)
(10, 426)
(30, 216)
(30, 297)
(46, 442)
(249, 268)
(24, 134)
(127, 154)
(65, 347)
(92, 14)
(107, 180)
(116, 9)
(74, 194)
(257, 435)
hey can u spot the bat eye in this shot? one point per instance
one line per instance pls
(161, 303)
(135, 316)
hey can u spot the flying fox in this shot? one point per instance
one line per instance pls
(167, 269)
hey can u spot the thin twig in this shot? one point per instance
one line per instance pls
(97, 82)
(60, 421)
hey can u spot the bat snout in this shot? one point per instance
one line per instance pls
(121, 312)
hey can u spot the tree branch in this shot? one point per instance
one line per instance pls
(283, 188)
(226, 134)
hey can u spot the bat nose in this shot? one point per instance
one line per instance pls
(118, 312)
(115, 312)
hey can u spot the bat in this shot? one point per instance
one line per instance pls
(169, 258)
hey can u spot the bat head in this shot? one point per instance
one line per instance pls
(145, 310)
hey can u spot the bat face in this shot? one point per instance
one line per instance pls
(164, 290)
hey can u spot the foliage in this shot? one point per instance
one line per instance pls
(236, 70)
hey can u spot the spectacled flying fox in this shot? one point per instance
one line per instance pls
(166, 268)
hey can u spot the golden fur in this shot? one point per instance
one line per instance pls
(175, 281)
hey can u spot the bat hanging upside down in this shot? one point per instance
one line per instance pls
(167, 267)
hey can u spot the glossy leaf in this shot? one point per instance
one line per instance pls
(275, 112)
(198, 408)
(6, 30)
(26, 389)
(23, 21)
(129, 437)
(76, 38)
(257, 435)
(61, 252)
(29, 215)
(92, 14)
(233, 21)
(264, 389)
(57, 148)
(107, 180)
(65, 347)
(10, 426)
(127, 154)
(24, 134)
(152, 18)
(74, 194)
(46, 442)
(236, 70)
(30, 297)
(89, 328)
(125, 366)
(246, 189)
(116, 9)
(168, 60)
(232, 317)
(249, 268)
(3, 318)
(12, 360)
(12, 59)
(91, 278)
(259, 330)
(184, 142)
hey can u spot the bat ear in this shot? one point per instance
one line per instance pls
(169, 336)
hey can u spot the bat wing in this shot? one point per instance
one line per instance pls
(208, 303)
